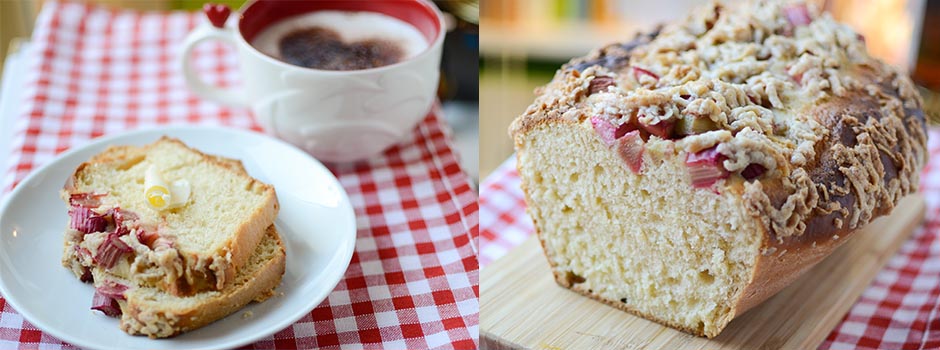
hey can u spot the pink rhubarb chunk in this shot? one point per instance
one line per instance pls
(112, 289)
(86, 221)
(639, 72)
(753, 171)
(106, 304)
(87, 200)
(604, 129)
(705, 168)
(608, 132)
(630, 148)
(147, 238)
(797, 15)
(111, 250)
(600, 84)
(663, 129)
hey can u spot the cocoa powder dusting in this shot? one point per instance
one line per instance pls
(322, 48)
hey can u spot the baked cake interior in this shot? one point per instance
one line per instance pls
(663, 248)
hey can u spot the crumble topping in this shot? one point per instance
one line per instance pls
(754, 81)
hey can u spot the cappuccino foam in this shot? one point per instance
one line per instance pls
(351, 27)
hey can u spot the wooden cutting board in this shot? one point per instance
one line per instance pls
(522, 307)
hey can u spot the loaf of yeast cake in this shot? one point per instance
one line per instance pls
(692, 172)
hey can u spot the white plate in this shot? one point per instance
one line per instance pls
(316, 223)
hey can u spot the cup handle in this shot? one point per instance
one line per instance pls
(208, 31)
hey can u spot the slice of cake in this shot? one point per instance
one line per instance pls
(164, 215)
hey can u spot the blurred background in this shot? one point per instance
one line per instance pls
(523, 42)
(459, 67)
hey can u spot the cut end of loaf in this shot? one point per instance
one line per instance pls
(651, 244)
(778, 153)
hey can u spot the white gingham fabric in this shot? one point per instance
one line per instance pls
(899, 310)
(413, 281)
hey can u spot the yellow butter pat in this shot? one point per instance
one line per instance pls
(159, 195)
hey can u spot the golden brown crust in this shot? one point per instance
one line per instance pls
(773, 272)
(784, 260)
(888, 146)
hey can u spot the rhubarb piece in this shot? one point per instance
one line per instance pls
(604, 129)
(112, 289)
(630, 148)
(163, 243)
(147, 238)
(121, 216)
(705, 168)
(639, 72)
(694, 126)
(87, 221)
(623, 129)
(121, 230)
(663, 129)
(797, 15)
(87, 200)
(798, 78)
(86, 275)
(706, 176)
(608, 132)
(600, 84)
(111, 250)
(106, 304)
(707, 156)
(753, 171)
(82, 252)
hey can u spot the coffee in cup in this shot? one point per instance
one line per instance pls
(335, 115)
(341, 40)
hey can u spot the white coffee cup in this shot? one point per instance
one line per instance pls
(337, 116)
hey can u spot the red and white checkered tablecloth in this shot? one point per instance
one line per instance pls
(899, 310)
(414, 278)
